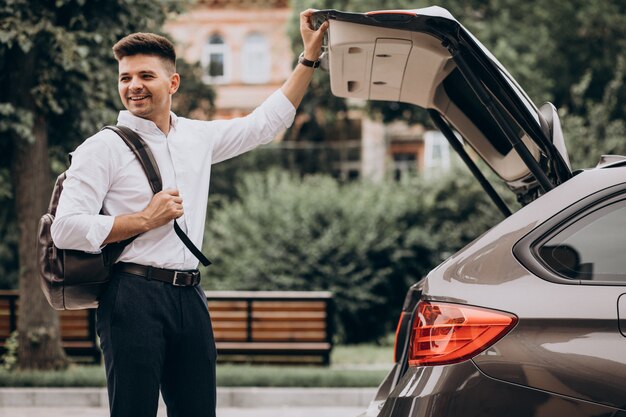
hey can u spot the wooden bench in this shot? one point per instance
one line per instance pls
(272, 326)
(78, 328)
(249, 326)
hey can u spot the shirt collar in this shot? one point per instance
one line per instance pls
(173, 120)
(126, 118)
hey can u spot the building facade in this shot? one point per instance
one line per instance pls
(242, 45)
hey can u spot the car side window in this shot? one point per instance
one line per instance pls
(592, 248)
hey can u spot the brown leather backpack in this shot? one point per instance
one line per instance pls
(73, 279)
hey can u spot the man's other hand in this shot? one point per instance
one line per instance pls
(311, 38)
(165, 206)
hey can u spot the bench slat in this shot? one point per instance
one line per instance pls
(291, 316)
(289, 305)
(273, 346)
(289, 336)
(228, 305)
(279, 325)
(230, 336)
(229, 316)
(229, 325)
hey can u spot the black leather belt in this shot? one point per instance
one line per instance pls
(184, 278)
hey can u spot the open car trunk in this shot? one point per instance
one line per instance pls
(425, 57)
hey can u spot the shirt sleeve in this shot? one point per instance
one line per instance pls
(78, 223)
(240, 135)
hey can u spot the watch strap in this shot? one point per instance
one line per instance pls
(308, 63)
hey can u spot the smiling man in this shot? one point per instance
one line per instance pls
(155, 332)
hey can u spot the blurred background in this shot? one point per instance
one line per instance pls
(359, 199)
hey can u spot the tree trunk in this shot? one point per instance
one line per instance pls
(38, 324)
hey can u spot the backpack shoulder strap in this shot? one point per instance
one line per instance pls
(192, 248)
(150, 167)
(143, 154)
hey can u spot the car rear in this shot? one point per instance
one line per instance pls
(488, 337)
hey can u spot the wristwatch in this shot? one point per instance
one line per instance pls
(307, 63)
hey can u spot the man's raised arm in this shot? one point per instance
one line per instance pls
(296, 85)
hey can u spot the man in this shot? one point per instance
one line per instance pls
(156, 335)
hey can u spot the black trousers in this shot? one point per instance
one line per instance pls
(157, 336)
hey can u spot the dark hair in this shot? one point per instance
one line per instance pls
(148, 44)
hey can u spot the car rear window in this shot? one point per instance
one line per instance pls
(591, 248)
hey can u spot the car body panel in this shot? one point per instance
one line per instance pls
(578, 358)
(463, 390)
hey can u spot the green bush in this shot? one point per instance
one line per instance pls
(364, 242)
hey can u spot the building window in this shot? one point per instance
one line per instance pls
(215, 61)
(406, 156)
(436, 151)
(404, 163)
(256, 59)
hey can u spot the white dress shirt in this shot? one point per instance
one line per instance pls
(106, 175)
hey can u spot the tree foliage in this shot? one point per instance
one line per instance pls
(597, 133)
(75, 73)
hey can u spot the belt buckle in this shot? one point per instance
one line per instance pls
(175, 280)
(194, 275)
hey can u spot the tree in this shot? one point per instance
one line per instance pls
(57, 78)
(598, 133)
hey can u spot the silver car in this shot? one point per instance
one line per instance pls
(530, 318)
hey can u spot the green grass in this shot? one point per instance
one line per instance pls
(294, 376)
(372, 355)
(74, 376)
(352, 366)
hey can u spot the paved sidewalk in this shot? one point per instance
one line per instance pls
(227, 397)
(232, 402)
(221, 412)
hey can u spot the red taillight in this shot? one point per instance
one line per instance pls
(444, 333)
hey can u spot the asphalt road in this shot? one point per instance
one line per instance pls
(221, 412)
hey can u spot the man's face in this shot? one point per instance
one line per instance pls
(145, 85)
